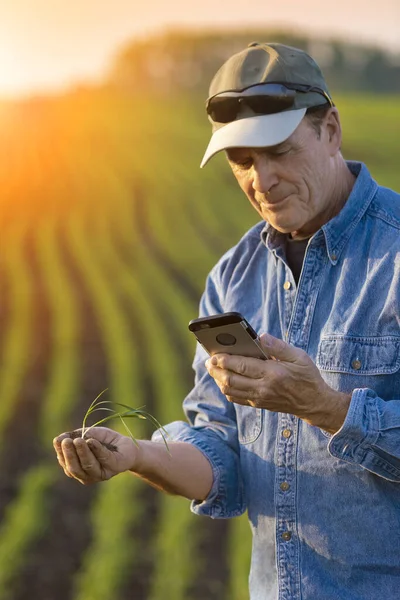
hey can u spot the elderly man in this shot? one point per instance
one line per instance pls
(309, 443)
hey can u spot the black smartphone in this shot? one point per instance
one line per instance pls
(229, 333)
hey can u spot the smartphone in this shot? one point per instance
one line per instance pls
(229, 333)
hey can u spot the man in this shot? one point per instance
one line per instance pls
(309, 442)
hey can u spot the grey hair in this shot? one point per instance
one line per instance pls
(315, 116)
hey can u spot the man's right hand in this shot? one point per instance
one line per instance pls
(182, 469)
(100, 456)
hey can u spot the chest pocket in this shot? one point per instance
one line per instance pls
(249, 423)
(349, 362)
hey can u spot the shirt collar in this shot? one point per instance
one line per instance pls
(339, 229)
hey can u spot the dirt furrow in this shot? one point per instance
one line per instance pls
(49, 571)
(212, 576)
(21, 446)
(138, 581)
(155, 249)
(217, 244)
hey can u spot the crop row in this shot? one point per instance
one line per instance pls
(108, 232)
(126, 285)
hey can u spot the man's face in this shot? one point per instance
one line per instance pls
(292, 185)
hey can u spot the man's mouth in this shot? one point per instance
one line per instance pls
(272, 202)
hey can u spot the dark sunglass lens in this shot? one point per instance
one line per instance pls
(266, 105)
(223, 110)
(264, 100)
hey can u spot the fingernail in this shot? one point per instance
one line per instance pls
(214, 360)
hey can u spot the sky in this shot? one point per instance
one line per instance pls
(48, 45)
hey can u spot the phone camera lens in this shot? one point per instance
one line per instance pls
(226, 339)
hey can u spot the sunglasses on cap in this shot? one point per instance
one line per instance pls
(262, 99)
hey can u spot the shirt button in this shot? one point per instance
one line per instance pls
(286, 536)
(284, 486)
(333, 256)
(356, 364)
(287, 285)
(286, 433)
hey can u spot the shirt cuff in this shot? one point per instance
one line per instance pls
(356, 441)
(225, 499)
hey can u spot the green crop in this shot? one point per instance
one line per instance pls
(129, 412)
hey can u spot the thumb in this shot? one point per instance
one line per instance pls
(100, 450)
(279, 349)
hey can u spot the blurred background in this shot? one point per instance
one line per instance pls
(107, 232)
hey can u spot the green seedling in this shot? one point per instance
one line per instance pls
(128, 412)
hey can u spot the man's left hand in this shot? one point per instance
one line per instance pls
(290, 383)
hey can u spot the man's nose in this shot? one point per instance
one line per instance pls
(264, 176)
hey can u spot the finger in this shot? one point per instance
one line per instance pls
(60, 459)
(64, 436)
(236, 400)
(280, 349)
(236, 385)
(57, 441)
(101, 453)
(72, 460)
(103, 435)
(244, 394)
(68, 434)
(67, 473)
(253, 368)
(88, 461)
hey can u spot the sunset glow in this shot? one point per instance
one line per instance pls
(49, 44)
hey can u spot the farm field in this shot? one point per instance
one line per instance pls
(107, 231)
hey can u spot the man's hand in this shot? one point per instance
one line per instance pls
(99, 457)
(290, 383)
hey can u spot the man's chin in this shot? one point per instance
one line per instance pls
(279, 222)
(286, 227)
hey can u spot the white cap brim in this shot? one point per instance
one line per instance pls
(254, 132)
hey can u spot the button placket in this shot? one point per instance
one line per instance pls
(287, 545)
(315, 262)
(298, 322)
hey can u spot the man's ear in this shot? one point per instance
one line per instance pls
(333, 130)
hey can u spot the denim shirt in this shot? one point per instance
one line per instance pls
(324, 510)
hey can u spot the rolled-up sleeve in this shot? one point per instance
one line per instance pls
(211, 427)
(370, 435)
(225, 499)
